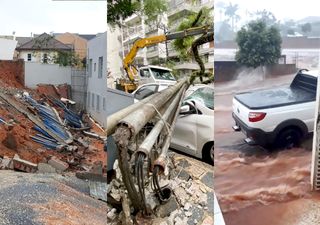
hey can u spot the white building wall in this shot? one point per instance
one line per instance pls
(114, 53)
(7, 48)
(39, 73)
(37, 56)
(97, 86)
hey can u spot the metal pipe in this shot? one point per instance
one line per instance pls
(137, 120)
(149, 141)
(114, 119)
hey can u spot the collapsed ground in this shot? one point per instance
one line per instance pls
(16, 129)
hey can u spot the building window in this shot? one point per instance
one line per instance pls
(100, 67)
(90, 68)
(95, 67)
(88, 99)
(92, 100)
(98, 103)
(29, 57)
(104, 104)
(45, 58)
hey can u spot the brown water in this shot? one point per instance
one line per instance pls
(272, 187)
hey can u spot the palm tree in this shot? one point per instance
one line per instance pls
(230, 11)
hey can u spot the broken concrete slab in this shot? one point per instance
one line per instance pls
(46, 168)
(24, 165)
(58, 164)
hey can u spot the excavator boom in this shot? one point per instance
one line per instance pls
(144, 42)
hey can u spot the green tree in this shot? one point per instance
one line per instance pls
(259, 45)
(306, 28)
(122, 9)
(65, 58)
(266, 16)
(231, 12)
(201, 18)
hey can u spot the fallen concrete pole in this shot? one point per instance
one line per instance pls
(149, 141)
(114, 119)
(127, 129)
(135, 121)
(160, 161)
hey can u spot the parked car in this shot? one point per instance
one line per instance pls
(194, 129)
(146, 90)
(279, 116)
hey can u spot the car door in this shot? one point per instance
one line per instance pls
(185, 134)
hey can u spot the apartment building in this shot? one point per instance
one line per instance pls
(97, 78)
(135, 27)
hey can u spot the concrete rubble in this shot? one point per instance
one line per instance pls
(191, 201)
(41, 133)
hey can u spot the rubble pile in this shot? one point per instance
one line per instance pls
(190, 201)
(39, 132)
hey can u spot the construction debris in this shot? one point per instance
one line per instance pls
(45, 133)
(190, 202)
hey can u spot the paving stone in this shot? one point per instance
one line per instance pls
(210, 202)
(197, 214)
(207, 221)
(207, 179)
(184, 175)
(165, 209)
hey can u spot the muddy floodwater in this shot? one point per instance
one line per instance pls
(256, 186)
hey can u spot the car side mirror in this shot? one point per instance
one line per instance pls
(184, 109)
(142, 73)
(187, 109)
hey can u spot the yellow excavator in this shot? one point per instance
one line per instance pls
(130, 84)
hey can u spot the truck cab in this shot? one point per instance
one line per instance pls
(156, 74)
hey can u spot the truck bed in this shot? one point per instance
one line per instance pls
(302, 89)
(275, 97)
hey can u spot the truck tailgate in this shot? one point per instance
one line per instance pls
(239, 110)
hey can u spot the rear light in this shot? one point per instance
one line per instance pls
(256, 116)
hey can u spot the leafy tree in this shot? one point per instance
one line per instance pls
(122, 9)
(224, 32)
(259, 45)
(202, 18)
(306, 28)
(231, 12)
(290, 31)
(266, 16)
(65, 58)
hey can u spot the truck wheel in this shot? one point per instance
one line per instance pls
(208, 153)
(289, 138)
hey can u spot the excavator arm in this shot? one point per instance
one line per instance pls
(144, 42)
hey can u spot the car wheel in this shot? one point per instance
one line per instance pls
(289, 138)
(208, 153)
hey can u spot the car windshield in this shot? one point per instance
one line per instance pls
(162, 74)
(204, 95)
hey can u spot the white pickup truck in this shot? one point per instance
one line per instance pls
(277, 117)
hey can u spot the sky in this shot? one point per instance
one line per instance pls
(283, 10)
(38, 16)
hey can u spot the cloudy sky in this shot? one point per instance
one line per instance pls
(281, 9)
(38, 16)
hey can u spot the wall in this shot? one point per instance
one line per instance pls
(114, 60)
(79, 43)
(12, 72)
(37, 56)
(228, 70)
(97, 47)
(39, 73)
(7, 48)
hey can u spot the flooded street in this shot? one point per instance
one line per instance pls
(255, 185)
